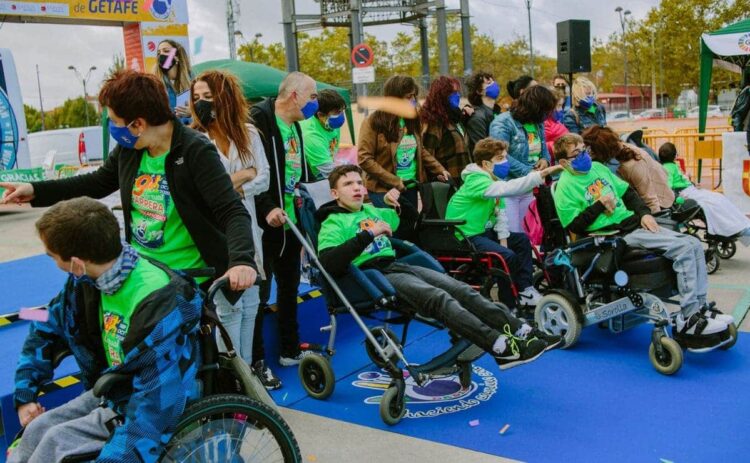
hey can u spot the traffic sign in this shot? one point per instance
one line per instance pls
(362, 55)
(363, 75)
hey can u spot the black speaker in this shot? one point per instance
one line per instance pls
(573, 46)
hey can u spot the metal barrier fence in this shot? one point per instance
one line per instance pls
(698, 150)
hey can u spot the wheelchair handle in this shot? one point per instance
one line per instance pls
(218, 284)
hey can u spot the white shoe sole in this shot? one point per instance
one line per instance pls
(515, 363)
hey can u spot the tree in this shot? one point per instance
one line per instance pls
(33, 118)
(118, 64)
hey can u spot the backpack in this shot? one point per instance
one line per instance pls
(553, 233)
(532, 225)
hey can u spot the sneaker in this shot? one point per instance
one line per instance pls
(266, 376)
(519, 351)
(552, 341)
(291, 361)
(529, 296)
(698, 325)
(710, 311)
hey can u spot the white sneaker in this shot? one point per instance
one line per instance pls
(710, 311)
(698, 325)
(529, 296)
(291, 361)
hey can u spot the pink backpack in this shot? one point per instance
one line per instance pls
(532, 225)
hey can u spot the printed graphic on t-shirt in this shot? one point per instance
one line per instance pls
(535, 147)
(115, 329)
(151, 199)
(293, 164)
(380, 242)
(600, 187)
(332, 146)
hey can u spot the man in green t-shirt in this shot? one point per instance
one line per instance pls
(118, 313)
(590, 198)
(357, 233)
(322, 133)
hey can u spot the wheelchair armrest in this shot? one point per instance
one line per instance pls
(372, 282)
(107, 382)
(662, 213)
(59, 356)
(441, 223)
(413, 255)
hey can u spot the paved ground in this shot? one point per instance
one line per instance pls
(327, 440)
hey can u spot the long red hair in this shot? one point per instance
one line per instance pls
(436, 108)
(605, 145)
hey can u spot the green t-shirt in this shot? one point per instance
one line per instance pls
(321, 144)
(406, 164)
(292, 166)
(469, 204)
(118, 308)
(535, 142)
(574, 193)
(156, 227)
(337, 228)
(675, 178)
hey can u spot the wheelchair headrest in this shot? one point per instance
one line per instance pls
(435, 197)
(313, 196)
(318, 192)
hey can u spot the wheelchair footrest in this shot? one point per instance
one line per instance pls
(446, 359)
(703, 343)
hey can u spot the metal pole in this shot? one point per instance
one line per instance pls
(230, 30)
(653, 73)
(39, 86)
(466, 38)
(424, 47)
(442, 33)
(86, 101)
(531, 42)
(290, 35)
(356, 12)
(661, 76)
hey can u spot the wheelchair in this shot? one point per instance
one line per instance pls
(487, 272)
(603, 282)
(366, 293)
(234, 420)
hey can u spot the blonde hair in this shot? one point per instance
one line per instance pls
(182, 81)
(580, 86)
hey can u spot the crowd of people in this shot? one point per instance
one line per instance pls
(214, 183)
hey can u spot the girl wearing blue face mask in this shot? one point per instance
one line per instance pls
(444, 134)
(585, 111)
(480, 203)
(322, 133)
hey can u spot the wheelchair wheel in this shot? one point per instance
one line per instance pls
(712, 262)
(558, 316)
(231, 427)
(733, 334)
(726, 249)
(378, 334)
(671, 359)
(392, 406)
(317, 376)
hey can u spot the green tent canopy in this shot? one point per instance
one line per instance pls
(729, 48)
(260, 81)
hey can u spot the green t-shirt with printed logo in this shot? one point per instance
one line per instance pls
(338, 228)
(155, 225)
(574, 193)
(292, 166)
(470, 204)
(675, 178)
(117, 309)
(406, 163)
(535, 142)
(321, 144)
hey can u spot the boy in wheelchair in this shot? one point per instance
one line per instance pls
(117, 313)
(359, 233)
(589, 198)
(479, 204)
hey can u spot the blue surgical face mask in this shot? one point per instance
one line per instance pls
(413, 102)
(454, 100)
(582, 162)
(587, 102)
(492, 91)
(558, 115)
(122, 135)
(501, 169)
(310, 108)
(334, 122)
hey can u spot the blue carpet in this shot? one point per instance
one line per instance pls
(600, 402)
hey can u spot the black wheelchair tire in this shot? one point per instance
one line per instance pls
(726, 249)
(255, 411)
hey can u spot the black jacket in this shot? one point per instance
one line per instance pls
(478, 125)
(202, 192)
(632, 201)
(264, 118)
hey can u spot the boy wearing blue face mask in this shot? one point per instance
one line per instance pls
(479, 203)
(590, 198)
(322, 133)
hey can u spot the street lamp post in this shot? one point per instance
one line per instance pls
(623, 15)
(250, 45)
(531, 43)
(85, 93)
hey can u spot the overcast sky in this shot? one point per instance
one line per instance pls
(55, 47)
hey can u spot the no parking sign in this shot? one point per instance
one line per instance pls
(362, 58)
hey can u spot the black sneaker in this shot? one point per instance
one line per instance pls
(519, 351)
(266, 376)
(552, 341)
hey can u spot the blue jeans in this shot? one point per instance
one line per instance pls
(239, 320)
(517, 255)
